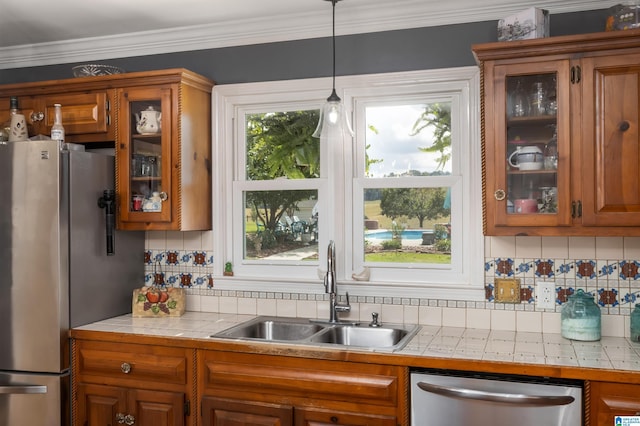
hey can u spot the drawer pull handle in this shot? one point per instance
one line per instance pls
(127, 419)
(125, 368)
(334, 419)
(37, 116)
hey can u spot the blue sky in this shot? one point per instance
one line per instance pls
(393, 143)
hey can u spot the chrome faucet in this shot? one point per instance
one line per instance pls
(331, 286)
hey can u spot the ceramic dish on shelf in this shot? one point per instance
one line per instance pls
(91, 70)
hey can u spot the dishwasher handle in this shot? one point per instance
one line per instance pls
(509, 398)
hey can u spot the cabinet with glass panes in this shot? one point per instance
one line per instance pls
(559, 126)
(163, 154)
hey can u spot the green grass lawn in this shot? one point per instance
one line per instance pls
(407, 257)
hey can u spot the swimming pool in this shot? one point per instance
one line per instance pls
(408, 234)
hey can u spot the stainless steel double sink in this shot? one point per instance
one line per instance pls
(387, 337)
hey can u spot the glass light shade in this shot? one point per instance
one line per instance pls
(333, 117)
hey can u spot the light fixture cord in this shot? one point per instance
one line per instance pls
(333, 38)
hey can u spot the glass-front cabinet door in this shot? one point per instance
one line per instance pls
(144, 155)
(528, 142)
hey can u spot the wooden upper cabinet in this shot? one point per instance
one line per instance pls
(521, 173)
(171, 161)
(86, 116)
(590, 87)
(611, 147)
(146, 160)
(163, 154)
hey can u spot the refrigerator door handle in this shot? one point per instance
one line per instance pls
(22, 389)
(107, 202)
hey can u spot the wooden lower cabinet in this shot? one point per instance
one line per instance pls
(229, 412)
(130, 384)
(105, 405)
(278, 390)
(318, 417)
(99, 405)
(609, 400)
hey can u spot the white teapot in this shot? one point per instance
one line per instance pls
(149, 121)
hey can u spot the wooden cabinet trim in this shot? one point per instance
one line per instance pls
(593, 43)
(142, 78)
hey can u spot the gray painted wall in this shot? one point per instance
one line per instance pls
(390, 51)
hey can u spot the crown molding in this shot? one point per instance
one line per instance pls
(396, 15)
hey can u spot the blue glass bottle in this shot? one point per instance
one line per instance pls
(580, 318)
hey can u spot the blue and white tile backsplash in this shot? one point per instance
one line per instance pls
(615, 284)
(608, 268)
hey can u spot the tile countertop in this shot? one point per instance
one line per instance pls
(543, 349)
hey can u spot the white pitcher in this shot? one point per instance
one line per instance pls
(527, 158)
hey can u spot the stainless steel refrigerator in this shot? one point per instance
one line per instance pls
(56, 271)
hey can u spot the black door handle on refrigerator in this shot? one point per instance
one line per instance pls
(107, 202)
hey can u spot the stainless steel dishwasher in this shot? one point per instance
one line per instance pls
(451, 398)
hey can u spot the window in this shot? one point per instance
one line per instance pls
(401, 200)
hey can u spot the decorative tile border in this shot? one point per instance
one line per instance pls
(179, 268)
(615, 284)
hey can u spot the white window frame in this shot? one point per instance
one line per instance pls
(339, 182)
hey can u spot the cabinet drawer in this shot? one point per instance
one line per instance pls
(296, 379)
(82, 113)
(115, 363)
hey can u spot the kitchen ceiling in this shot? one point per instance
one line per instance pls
(39, 32)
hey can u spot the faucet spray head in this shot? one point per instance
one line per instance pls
(330, 277)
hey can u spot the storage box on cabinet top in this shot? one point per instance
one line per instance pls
(530, 23)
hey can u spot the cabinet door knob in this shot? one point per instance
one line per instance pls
(129, 419)
(500, 194)
(125, 368)
(37, 116)
(624, 126)
(163, 196)
(120, 418)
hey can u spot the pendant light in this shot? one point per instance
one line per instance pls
(333, 115)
